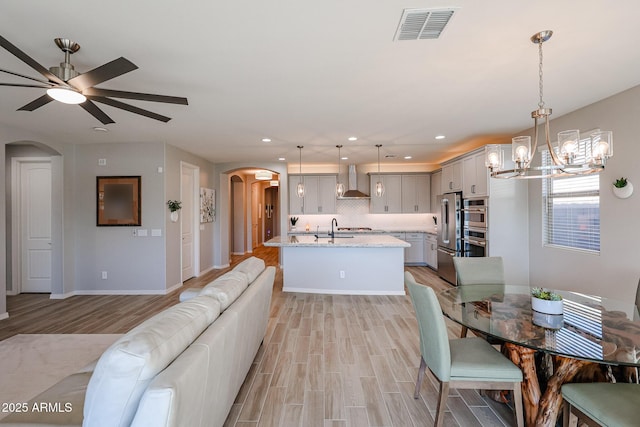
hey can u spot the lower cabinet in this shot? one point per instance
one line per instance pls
(415, 253)
(431, 251)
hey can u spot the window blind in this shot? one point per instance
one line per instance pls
(571, 209)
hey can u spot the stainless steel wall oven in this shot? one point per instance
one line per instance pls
(475, 213)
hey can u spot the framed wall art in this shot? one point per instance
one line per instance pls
(118, 201)
(207, 205)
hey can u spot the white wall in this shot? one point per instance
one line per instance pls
(615, 271)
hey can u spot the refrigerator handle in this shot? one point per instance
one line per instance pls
(444, 214)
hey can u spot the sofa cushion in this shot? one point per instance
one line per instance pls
(125, 369)
(226, 288)
(252, 267)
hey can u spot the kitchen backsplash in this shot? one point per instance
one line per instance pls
(355, 213)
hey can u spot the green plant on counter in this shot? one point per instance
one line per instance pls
(294, 220)
(174, 205)
(620, 183)
(545, 294)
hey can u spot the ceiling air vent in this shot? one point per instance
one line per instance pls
(422, 24)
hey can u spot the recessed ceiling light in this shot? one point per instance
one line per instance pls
(344, 158)
(353, 138)
(266, 139)
(99, 129)
(282, 159)
(407, 157)
(440, 137)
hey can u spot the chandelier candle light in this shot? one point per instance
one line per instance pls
(568, 158)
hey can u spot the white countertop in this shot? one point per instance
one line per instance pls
(364, 232)
(358, 240)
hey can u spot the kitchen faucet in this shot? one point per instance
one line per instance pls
(332, 234)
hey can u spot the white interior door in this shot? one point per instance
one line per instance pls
(187, 222)
(35, 226)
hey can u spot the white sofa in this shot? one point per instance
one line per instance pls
(182, 367)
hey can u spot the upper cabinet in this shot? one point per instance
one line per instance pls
(391, 200)
(416, 193)
(452, 177)
(474, 176)
(436, 188)
(319, 195)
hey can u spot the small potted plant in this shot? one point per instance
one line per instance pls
(545, 301)
(622, 188)
(174, 207)
(294, 221)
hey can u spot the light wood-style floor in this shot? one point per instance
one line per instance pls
(327, 360)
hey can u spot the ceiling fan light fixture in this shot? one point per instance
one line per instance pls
(66, 96)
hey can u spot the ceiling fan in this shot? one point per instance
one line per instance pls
(67, 85)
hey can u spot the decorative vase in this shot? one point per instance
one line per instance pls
(624, 192)
(174, 216)
(546, 306)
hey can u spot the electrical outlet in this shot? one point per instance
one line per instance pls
(104, 275)
(342, 274)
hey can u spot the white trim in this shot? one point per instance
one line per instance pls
(173, 288)
(62, 296)
(120, 292)
(340, 291)
(218, 267)
(16, 218)
(195, 179)
(206, 271)
(4, 315)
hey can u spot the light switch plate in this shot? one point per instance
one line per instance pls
(142, 232)
(156, 232)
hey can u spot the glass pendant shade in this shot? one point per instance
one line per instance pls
(379, 189)
(300, 190)
(494, 157)
(568, 146)
(66, 96)
(601, 147)
(339, 189)
(521, 150)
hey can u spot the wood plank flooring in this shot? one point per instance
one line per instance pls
(327, 360)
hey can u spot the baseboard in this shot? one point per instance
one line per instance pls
(11, 293)
(218, 267)
(121, 292)
(4, 315)
(62, 296)
(340, 291)
(206, 271)
(173, 288)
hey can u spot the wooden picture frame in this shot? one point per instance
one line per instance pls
(118, 201)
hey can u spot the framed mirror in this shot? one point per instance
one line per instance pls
(118, 201)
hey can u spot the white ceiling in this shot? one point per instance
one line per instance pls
(315, 73)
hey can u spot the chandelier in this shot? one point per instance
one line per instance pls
(571, 156)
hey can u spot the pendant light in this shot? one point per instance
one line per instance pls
(571, 156)
(379, 184)
(300, 189)
(339, 184)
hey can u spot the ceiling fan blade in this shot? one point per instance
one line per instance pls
(131, 108)
(29, 61)
(36, 103)
(105, 72)
(24, 85)
(94, 91)
(96, 112)
(25, 77)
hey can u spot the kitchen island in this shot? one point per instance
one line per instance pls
(346, 264)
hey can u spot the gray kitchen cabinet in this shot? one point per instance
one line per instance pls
(416, 193)
(452, 177)
(391, 200)
(431, 251)
(319, 195)
(415, 253)
(436, 189)
(474, 176)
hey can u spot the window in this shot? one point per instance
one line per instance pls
(571, 209)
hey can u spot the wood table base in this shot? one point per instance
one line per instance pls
(542, 410)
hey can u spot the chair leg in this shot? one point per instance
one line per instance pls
(442, 403)
(463, 332)
(423, 366)
(517, 401)
(566, 414)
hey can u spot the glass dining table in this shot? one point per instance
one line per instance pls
(591, 330)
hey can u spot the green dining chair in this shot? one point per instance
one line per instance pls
(478, 271)
(463, 363)
(602, 404)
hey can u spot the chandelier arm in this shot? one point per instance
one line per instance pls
(554, 158)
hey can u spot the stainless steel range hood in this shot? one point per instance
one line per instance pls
(353, 192)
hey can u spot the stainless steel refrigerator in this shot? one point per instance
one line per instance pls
(449, 235)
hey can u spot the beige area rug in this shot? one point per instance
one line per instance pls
(31, 363)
